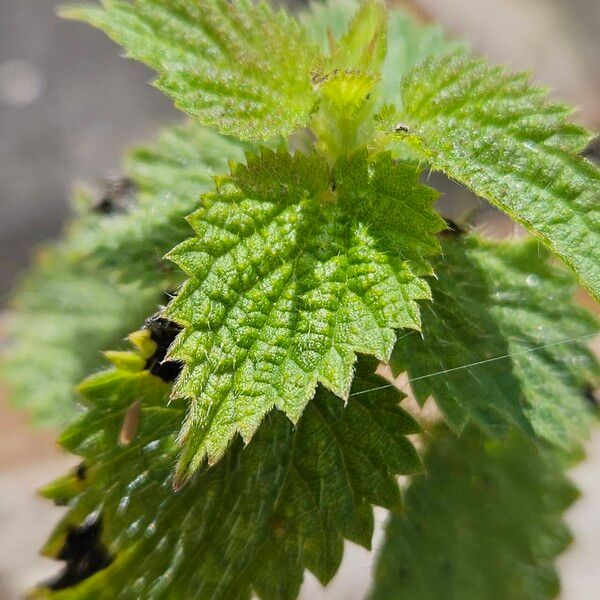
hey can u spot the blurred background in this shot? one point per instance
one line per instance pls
(69, 106)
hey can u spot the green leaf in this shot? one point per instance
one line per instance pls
(345, 82)
(169, 177)
(485, 523)
(294, 270)
(107, 275)
(409, 42)
(363, 45)
(498, 135)
(253, 522)
(324, 19)
(364, 68)
(503, 343)
(237, 66)
(62, 316)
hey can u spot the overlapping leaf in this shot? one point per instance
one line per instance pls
(322, 20)
(367, 62)
(169, 177)
(485, 522)
(252, 523)
(107, 276)
(346, 82)
(61, 317)
(497, 135)
(294, 270)
(364, 43)
(237, 66)
(503, 343)
(409, 42)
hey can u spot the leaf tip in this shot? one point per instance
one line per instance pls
(77, 12)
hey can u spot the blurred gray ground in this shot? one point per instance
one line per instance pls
(69, 106)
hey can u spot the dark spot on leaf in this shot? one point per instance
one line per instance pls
(278, 527)
(592, 396)
(317, 77)
(60, 501)
(118, 196)
(84, 553)
(81, 471)
(163, 332)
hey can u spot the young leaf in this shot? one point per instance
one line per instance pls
(484, 523)
(408, 42)
(498, 135)
(236, 66)
(365, 66)
(294, 270)
(252, 523)
(169, 178)
(503, 343)
(346, 81)
(363, 46)
(324, 20)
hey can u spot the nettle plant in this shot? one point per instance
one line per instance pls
(247, 433)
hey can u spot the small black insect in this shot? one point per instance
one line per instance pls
(118, 196)
(163, 332)
(401, 128)
(84, 553)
